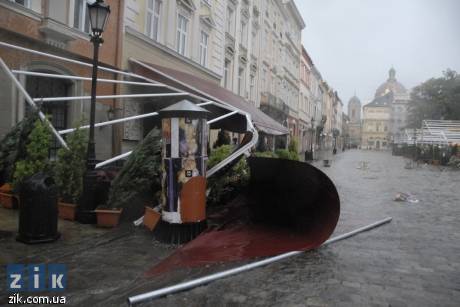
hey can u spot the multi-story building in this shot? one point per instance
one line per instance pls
(376, 122)
(399, 104)
(337, 132)
(317, 101)
(306, 110)
(345, 130)
(60, 28)
(354, 125)
(209, 48)
(279, 61)
(391, 98)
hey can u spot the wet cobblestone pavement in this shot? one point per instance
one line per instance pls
(413, 261)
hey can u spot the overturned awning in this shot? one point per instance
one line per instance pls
(211, 91)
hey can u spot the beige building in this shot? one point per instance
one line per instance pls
(305, 109)
(376, 123)
(211, 48)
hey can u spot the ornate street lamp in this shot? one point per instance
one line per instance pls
(98, 13)
(312, 135)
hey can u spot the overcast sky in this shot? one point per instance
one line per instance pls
(355, 42)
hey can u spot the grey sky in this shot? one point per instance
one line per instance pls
(355, 42)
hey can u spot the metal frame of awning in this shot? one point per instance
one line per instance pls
(262, 126)
(433, 132)
(229, 109)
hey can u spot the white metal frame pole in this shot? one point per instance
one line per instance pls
(32, 103)
(207, 279)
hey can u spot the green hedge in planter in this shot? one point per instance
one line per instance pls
(286, 154)
(70, 166)
(140, 177)
(37, 152)
(13, 146)
(223, 187)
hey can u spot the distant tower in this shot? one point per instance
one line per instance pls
(354, 109)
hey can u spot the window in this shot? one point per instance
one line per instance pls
(244, 33)
(204, 48)
(25, 3)
(182, 23)
(227, 74)
(241, 81)
(230, 20)
(252, 92)
(80, 17)
(153, 18)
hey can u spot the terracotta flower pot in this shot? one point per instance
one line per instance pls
(6, 188)
(108, 218)
(151, 218)
(9, 201)
(67, 211)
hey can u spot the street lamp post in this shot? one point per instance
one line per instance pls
(98, 13)
(312, 134)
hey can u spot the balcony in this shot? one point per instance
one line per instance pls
(274, 107)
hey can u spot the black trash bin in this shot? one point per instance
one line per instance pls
(38, 210)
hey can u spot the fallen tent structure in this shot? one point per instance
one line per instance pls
(281, 191)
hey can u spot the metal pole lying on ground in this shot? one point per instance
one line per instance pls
(206, 279)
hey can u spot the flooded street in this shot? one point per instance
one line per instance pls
(413, 261)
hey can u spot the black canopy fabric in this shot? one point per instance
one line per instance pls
(213, 92)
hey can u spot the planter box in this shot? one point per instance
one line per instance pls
(9, 201)
(67, 211)
(151, 218)
(6, 188)
(108, 218)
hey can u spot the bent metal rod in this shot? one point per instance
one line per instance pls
(206, 279)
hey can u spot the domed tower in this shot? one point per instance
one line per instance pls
(391, 85)
(354, 109)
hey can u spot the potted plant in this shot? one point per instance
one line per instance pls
(108, 217)
(12, 149)
(151, 216)
(36, 157)
(69, 170)
(7, 199)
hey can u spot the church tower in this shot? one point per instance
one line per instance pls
(354, 109)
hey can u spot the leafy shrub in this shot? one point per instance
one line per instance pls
(70, 166)
(223, 138)
(286, 154)
(265, 154)
(225, 186)
(13, 146)
(454, 161)
(293, 145)
(36, 158)
(140, 177)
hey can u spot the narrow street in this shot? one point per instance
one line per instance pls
(413, 261)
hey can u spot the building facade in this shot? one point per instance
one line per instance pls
(394, 98)
(376, 123)
(354, 125)
(306, 103)
(60, 28)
